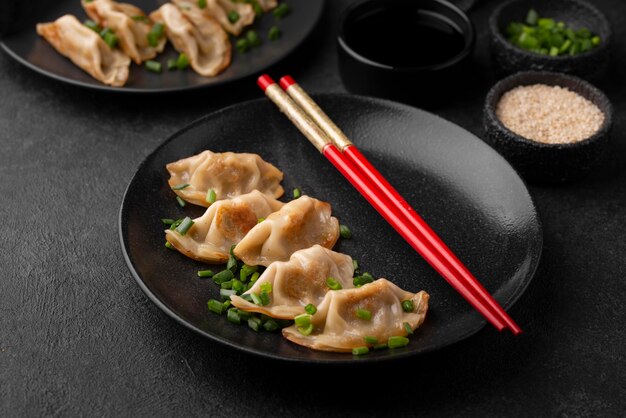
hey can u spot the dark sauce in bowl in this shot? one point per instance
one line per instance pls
(405, 37)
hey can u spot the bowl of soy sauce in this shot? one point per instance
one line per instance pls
(412, 50)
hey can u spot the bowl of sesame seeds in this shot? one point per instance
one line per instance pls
(551, 127)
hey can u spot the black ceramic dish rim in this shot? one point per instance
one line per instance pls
(596, 52)
(526, 78)
(349, 360)
(467, 50)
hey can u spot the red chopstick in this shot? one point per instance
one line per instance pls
(373, 195)
(424, 231)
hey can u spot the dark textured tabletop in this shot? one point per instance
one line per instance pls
(79, 338)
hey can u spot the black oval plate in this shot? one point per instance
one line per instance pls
(467, 193)
(34, 52)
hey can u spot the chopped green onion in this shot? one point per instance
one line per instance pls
(182, 62)
(254, 277)
(226, 304)
(296, 193)
(227, 284)
(171, 64)
(181, 186)
(532, 17)
(364, 314)
(233, 316)
(227, 293)
(233, 16)
(110, 38)
(359, 351)
(274, 33)
(345, 232)
(281, 11)
(554, 51)
(355, 265)
(381, 346)
(408, 306)
(245, 315)
(238, 286)
(222, 276)
(92, 25)
(141, 18)
(270, 325)
(211, 197)
(246, 271)
(255, 299)
(595, 40)
(175, 224)
(155, 67)
(370, 340)
(202, 4)
(407, 328)
(397, 342)
(333, 284)
(302, 320)
(156, 33)
(254, 323)
(310, 309)
(365, 278)
(247, 297)
(265, 298)
(253, 38)
(266, 287)
(232, 263)
(184, 226)
(242, 45)
(205, 273)
(258, 10)
(169, 245)
(215, 306)
(167, 221)
(260, 220)
(306, 330)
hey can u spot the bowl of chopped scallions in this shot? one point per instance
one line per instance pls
(569, 36)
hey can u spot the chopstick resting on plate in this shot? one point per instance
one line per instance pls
(337, 148)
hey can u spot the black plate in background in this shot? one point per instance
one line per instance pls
(30, 49)
(462, 188)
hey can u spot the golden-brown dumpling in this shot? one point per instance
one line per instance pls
(219, 9)
(228, 174)
(336, 326)
(132, 33)
(198, 36)
(299, 224)
(224, 224)
(299, 281)
(86, 49)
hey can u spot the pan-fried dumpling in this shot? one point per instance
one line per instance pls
(336, 326)
(300, 224)
(223, 225)
(267, 5)
(218, 10)
(86, 49)
(299, 281)
(198, 36)
(228, 174)
(129, 23)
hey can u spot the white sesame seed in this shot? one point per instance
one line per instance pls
(549, 114)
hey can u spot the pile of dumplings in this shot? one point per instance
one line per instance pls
(294, 241)
(197, 29)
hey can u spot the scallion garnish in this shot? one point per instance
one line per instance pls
(222, 276)
(141, 18)
(310, 309)
(109, 37)
(264, 296)
(238, 286)
(227, 293)
(281, 11)
(226, 304)
(381, 346)
(359, 281)
(355, 265)
(306, 330)
(215, 306)
(258, 10)
(169, 245)
(179, 199)
(359, 351)
(260, 220)
(407, 328)
(397, 342)
(167, 221)
(253, 38)
(274, 33)
(93, 26)
(242, 45)
(205, 273)
(297, 193)
(175, 224)
(232, 263)
(270, 325)
(254, 277)
(364, 314)
(233, 316)
(156, 33)
(302, 320)
(370, 340)
(254, 323)
(226, 285)
(181, 186)
(246, 271)
(182, 62)
(333, 284)
(345, 232)
(255, 299)
(247, 297)
(202, 4)
(156, 67)
(211, 196)
(407, 305)
(233, 16)
(184, 226)
(266, 287)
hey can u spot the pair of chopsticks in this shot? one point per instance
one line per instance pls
(320, 130)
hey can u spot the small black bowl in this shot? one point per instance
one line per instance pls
(547, 163)
(509, 59)
(425, 69)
